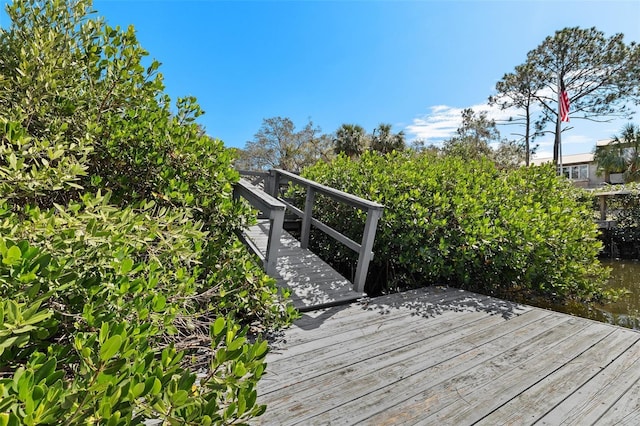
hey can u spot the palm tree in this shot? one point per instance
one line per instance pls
(350, 139)
(621, 155)
(384, 141)
(630, 141)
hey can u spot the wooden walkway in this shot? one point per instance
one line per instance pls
(441, 356)
(312, 282)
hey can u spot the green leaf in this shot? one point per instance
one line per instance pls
(11, 341)
(157, 386)
(13, 256)
(114, 419)
(110, 347)
(13, 161)
(45, 370)
(23, 329)
(138, 390)
(242, 404)
(261, 348)
(39, 317)
(126, 266)
(159, 302)
(218, 326)
(240, 370)
(236, 344)
(104, 332)
(179, 398)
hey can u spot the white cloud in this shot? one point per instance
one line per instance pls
(543, 154)
(576, 139)
(442, 121)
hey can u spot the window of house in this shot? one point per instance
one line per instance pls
(574, 172)
(579, 172)
(583, 171)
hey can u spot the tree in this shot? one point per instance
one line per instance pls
(384, 141)
(517, 90)
(621, 155)
(509, 155)
(351, 139)
(600, 75)
(277, 144)
(473, 137)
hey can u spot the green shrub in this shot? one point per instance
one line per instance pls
(465, 224)
(110, 293)
(124, 293)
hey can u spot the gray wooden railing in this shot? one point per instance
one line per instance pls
(277, 178)
(256, 178)
(273, 209)
(604, 223)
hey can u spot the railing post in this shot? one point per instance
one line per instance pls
(271, 183)
(364, 256)
(306, 219)
(603, 207)
(276, 219)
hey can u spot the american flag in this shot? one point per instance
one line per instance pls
(564, 104)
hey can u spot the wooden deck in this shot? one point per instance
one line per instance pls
(313, 283)
(441, 356)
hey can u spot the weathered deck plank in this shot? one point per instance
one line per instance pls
(443, 356)
(599, 394)
(545, 394)
(312, 282)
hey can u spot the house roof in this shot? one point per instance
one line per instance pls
(604, 142)
(566, 159)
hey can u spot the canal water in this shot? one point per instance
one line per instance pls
(626, 311)
(625, 274)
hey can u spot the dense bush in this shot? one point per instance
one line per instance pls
(120, 274)
(465, 224)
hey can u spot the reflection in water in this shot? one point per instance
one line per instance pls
(625, 274)
(626, 311)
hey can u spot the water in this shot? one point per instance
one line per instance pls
(625, 274)
(626, 311)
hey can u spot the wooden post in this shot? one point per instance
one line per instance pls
(603, 207)
(276, 219)
(271, 184)
(364, 257)
(306, 219)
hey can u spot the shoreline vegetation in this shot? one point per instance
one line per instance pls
(466, 224)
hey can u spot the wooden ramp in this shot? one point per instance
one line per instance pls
(313, 283)
(441, 356)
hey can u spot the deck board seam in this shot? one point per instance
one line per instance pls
(540, 379)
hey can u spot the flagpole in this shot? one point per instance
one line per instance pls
(563, 115)
(559, 126)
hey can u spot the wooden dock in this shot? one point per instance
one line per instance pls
(312, 282)
(440, 356)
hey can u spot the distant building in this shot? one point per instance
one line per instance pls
(581, 168)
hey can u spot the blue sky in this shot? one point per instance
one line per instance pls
(414, 64)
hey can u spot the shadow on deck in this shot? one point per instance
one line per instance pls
(446, 356)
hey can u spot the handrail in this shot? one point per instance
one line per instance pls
(603, 195)
(374, 212)
(274, 208)
(345, 197)
(256, 178)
